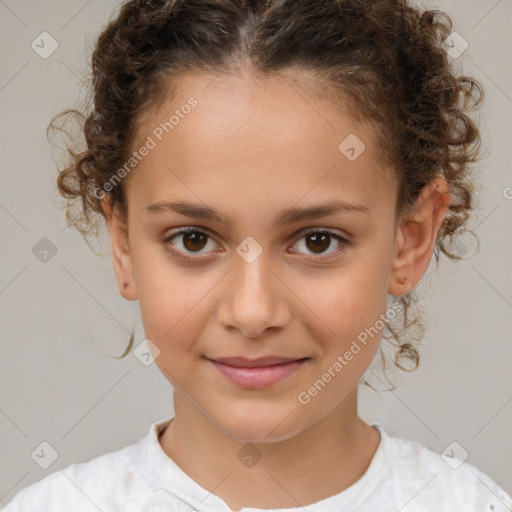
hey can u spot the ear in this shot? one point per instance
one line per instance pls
(121, 256)
(416, 237)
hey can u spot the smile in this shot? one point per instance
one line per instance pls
(257, 377)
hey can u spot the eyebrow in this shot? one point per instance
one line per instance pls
(288, 216)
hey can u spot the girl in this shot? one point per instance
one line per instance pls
(271, 172)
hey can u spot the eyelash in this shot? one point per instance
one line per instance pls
(344, 243)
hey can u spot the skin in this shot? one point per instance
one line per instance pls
(248, 150)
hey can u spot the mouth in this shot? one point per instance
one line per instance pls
(257, 373)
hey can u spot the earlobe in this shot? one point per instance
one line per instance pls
(121, 255)
(416, 237)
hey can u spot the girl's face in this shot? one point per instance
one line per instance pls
(261, 275)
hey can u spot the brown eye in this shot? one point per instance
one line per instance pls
(194, 240)
(187, 242)
(319, 241)
(191, 244)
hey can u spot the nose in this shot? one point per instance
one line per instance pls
(254, 299)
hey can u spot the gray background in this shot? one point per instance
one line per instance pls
(61, 319)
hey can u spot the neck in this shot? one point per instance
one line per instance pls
(320, 461)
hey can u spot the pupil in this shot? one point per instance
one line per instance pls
(319, 242)
(189, 239)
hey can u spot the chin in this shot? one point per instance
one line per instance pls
(253, 426)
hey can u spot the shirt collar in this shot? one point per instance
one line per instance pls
(156, 464)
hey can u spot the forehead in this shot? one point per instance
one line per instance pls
(276, 137)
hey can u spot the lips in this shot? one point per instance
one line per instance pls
(253, 374)
(262, 362)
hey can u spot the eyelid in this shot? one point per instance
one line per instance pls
(331, 231)
(343, 239)
(166, 239)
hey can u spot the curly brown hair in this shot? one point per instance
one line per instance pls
(386, 56)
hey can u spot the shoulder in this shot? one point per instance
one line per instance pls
(81, 487)
(427, 480)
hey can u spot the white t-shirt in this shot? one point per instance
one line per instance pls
(403, 476)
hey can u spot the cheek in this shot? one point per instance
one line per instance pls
(350, 299)
(345, 309)
(170, 299)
